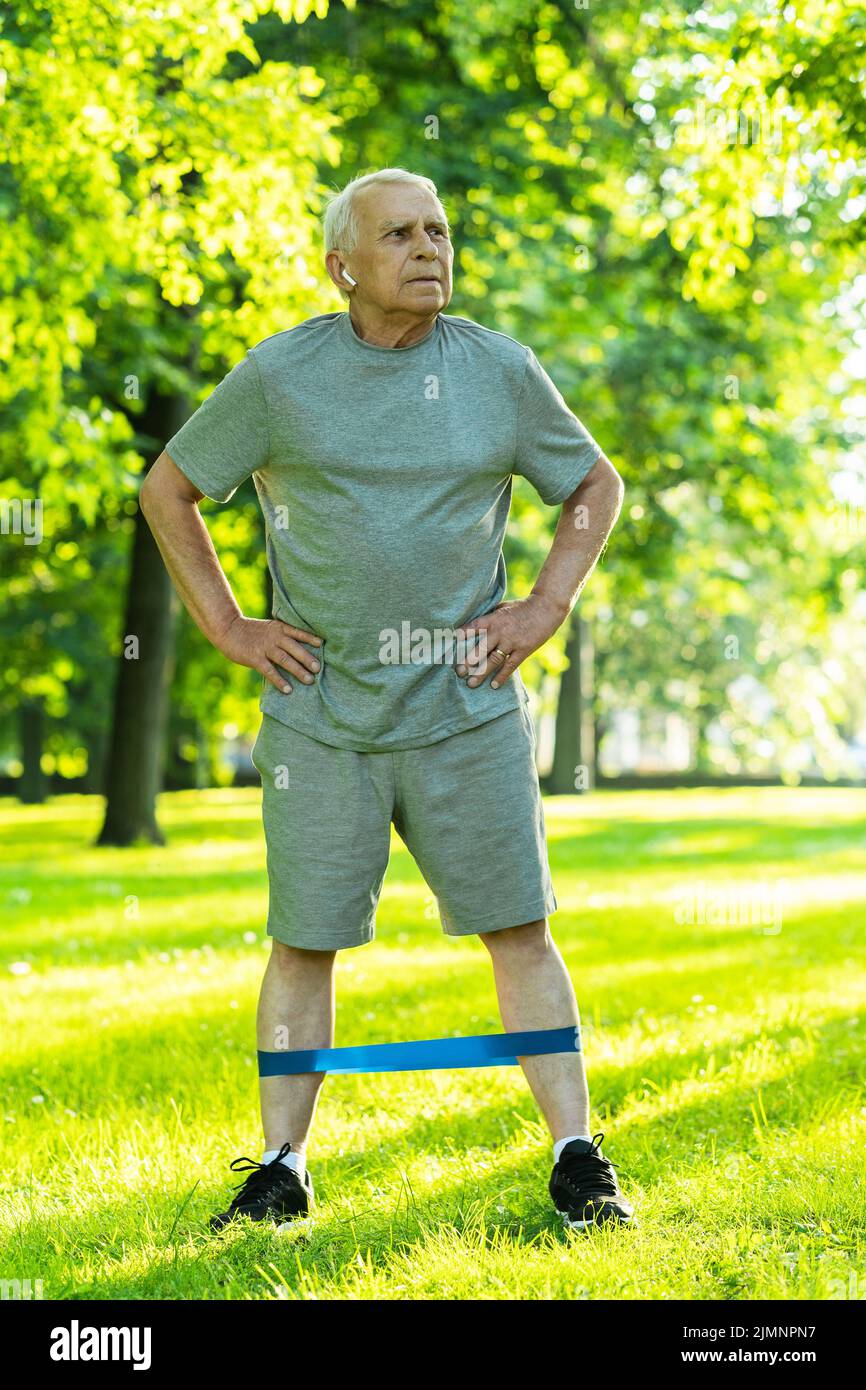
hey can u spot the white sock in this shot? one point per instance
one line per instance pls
(291, 1160)
(561, 1143)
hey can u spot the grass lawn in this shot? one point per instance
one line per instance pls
(716, 942)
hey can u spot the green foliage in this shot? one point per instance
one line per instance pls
(161, 214)
(613, 209)
(666, 204)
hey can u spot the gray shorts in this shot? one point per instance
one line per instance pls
(468, 809)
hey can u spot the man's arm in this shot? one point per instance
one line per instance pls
(169, 502)
(587, 518)
(522, 626)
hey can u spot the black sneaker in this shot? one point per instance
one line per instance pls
(270, 1192)
(584, 1188)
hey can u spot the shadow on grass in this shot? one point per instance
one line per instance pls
(575, 932)
(204, 1035)
(508, 1198)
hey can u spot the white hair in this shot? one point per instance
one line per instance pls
(341, 222)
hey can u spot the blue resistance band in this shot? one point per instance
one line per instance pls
(483, 1050)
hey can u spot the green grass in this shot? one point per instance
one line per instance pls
(726, 1063)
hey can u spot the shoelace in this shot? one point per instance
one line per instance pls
(589, 1174)
(259, 1176)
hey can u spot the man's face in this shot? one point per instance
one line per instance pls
(403, 257)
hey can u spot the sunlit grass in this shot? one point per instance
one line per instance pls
(726, 1052)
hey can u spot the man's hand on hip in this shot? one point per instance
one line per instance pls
(262, 642)
(513, 631)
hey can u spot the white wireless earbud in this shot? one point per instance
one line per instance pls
(347, 276)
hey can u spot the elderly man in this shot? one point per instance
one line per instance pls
(382, 442)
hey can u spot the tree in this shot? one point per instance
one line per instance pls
(156, 230)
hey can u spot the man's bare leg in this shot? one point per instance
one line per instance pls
(298, 995)
(535, 991)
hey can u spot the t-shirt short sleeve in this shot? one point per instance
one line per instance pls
(552, 449)
(226, 440)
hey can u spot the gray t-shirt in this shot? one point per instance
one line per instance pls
(384, 477)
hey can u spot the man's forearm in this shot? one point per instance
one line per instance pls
(588, 516)
(192, 563)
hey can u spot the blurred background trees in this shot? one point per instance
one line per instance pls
(666, 204)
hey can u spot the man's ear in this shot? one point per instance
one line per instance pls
(334, 266)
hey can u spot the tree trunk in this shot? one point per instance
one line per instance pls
(202, 759)
(134, 770)
(32, 729)
(94, 782)
(705, 715)
(269, 583)
(599, 730)
(574, 748)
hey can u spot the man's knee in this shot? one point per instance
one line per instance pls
(296, 958)
(529, 939)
